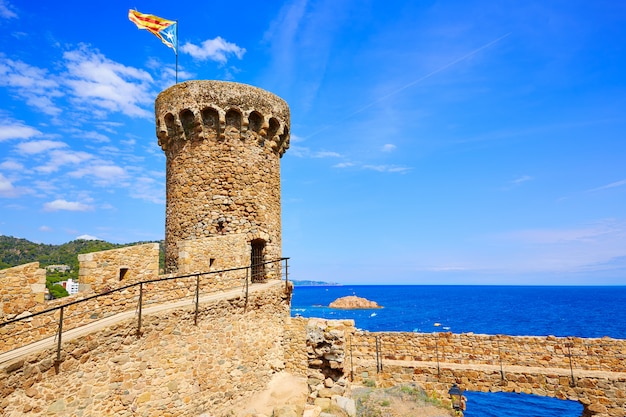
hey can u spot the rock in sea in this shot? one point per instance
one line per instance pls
(353, 302)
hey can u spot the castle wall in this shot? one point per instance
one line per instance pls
(531, 365)
(223, 142)
(174, 368)
(22, 289)
(105, 270)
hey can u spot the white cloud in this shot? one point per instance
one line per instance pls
(343, 165)
(96, 136)
(97, 81)
(6, 10)
(148, 189)
(295, 138)
(17, 131)
(59, 158)
(45, 228)
(388, 147)
(6, 187)
(521, 179)
(216, 49)
(607, 186)
(387, 168)
(61, 204)
(39, 146)
(32, 84)
(86, 237)
(304, 152)
(101, 171)
(10, 165)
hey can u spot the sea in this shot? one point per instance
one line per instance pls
(584, 311)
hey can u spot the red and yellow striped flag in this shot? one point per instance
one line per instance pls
(161, 28)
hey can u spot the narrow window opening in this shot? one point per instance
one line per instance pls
(257, 260)
(123, 273)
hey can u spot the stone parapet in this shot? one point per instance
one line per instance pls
(108, 269)
(22, 289)
(468, 348)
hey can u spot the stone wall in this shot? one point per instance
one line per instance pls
(23, 288)
(105, 270)
(173, 369)
(98, 306)
(468, 348)
(531, 365)
(223, 142)
(296, 358)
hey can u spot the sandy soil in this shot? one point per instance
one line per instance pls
(283, 389)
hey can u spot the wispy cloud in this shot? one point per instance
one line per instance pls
(517, 182)
(6, 10)
(387, 168)
(34, 85)
(607, 186)
(39, 146)
(6, 187)
(521, 179)
(17, 131)
(344, 165)
(304, 152)
(388, 147)
(61, 204)
(103, 172)
(59, 158)
(11, 165)
(218, 50)
(98, 81)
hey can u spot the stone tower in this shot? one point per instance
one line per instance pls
(223, 142)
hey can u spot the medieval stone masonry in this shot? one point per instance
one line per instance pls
(223, 143)
(211, 333)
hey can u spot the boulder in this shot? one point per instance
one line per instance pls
(353, 302)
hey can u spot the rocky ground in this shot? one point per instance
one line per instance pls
(286, 397)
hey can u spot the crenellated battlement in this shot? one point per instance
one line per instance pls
(223, 142)
(221, 111)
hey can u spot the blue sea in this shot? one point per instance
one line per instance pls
(512, 310)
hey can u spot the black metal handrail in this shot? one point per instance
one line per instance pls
(140, 283)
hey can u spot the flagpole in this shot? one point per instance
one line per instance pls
(176, 51)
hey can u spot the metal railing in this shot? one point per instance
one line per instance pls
(114, 301)
(564, 353)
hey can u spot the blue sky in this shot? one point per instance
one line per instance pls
(433, 142)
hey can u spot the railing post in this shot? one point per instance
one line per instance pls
(351, 364)
(377, 357)
(571, 367)
(437, 353)
(59, 337)
(139, 308)
(500, 358)
(195, 317)
(286, 274)
(247, 275)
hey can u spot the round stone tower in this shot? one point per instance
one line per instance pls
(223, 142)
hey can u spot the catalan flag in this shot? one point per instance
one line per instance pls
(162, 28)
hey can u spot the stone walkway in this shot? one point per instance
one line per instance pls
(51, 342)
(513, 369)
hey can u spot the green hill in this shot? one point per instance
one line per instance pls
(15, 251)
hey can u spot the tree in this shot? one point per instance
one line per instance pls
(57, 291)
